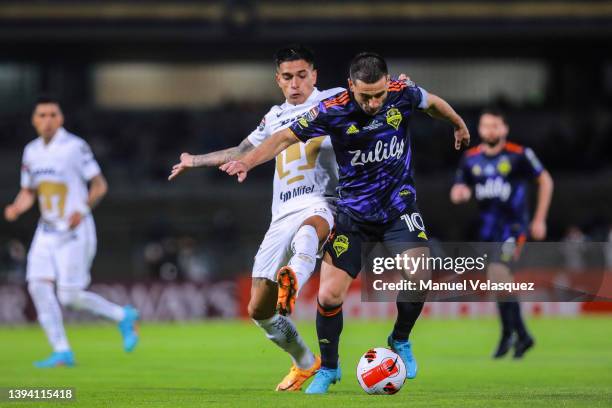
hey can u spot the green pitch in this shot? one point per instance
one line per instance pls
(229, 364)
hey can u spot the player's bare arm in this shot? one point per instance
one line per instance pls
(268, 150)
(440, 109)
(24, 200)
(213, 159)
(545, 191)
(97, 190)
(460, 193)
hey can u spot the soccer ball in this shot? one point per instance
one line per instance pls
(381, 371)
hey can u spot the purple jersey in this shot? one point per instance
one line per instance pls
(500, 185)
(374, 153)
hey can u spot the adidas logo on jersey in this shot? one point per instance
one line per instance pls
(352, 130)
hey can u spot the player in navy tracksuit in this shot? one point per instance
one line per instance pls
(368, 128)
(499, 174)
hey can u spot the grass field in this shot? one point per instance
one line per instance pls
(230, 364)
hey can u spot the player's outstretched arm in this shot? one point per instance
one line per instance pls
(460, 193)
(98, 187)
(24, 200)
(440, 109)
(545, 191)
(268, 150)
(213, 159)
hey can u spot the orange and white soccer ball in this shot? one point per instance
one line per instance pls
(381, 371)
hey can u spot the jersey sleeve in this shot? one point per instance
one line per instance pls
(261, 132)
(463, 174)
(417, 96)
(532, 166)
(26, 173)
(86, 162)
(311, 124)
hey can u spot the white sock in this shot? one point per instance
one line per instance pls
(94, 303)
(282, 331)
(304, 245)
(49, 313)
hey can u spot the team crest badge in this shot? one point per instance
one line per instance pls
(504, 167)
(312, 114)
(394, 117)
(340, 245)
(262, 125)
(303, 122)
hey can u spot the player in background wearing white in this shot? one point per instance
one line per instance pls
(56, 168)
(302, 210)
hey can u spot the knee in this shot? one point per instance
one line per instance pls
(68, 297)
(329, 298)
(38, 288)
(34, 287)
(258, 311)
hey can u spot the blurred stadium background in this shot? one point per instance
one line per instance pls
(144, 81)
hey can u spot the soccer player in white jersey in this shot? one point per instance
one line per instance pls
(57, 167)
(302, 210)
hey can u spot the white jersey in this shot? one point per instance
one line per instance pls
(305, 172)
(59, 172)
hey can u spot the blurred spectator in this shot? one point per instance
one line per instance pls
(608, 249)
(194, 263)
(13, 262)
(573, 248)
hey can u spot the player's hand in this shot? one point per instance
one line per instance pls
(537, 230)
(462, 137)
(460, 193)
(403, 77)
(11, 213)
(187, 162)
(74, 220)
(234, 168)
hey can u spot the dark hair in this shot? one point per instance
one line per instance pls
(294, 52)
(43, 99)
(495, 111)
(368, 67)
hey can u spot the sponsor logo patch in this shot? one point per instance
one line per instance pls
(405, 193)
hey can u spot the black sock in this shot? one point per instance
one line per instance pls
(517, 320)
(407, 315)
(329, 327)
(506, 317)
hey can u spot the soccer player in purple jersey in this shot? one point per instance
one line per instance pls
(499, 173)
(368, 127)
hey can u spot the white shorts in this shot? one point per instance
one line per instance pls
(275, 249)
(63, 256)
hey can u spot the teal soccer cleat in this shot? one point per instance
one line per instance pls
(404, 349)
(127, 327)
(57, 359)
(323, 379)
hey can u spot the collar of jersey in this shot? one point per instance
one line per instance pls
(60, 134)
